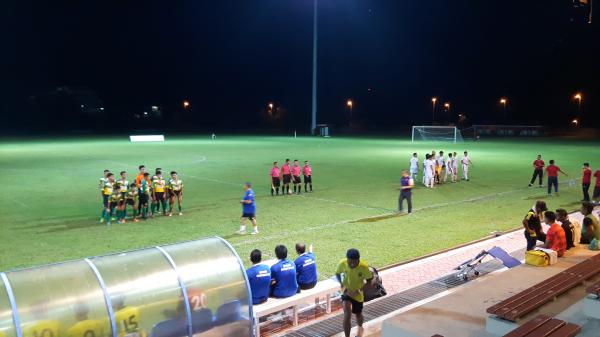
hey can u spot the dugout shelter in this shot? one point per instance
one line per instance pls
(194, 288)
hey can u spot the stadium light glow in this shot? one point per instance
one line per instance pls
(186, 104)
(433, 100)
(349, 103)
(271, 105)
(447, 105)
(575, 122)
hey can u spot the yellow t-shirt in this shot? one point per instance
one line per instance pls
(45, 328)
(128, 322)
(87, 328)
(354, 278)
(108, 188)
(159, 185)
(2, 334)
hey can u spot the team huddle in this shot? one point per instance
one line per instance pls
(438, 169)
(290, 174)
(147, 195)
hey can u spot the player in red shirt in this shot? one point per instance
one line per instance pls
(286, 170)
(538, 170)
(586, 180)
(552, 173)
(296, 176)
(307, 172)
(275, 179)
(596, 196)
(556, 238)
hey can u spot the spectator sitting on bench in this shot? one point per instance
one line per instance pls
(259, 277)
(567, 226)
(533, 225)
(555, 237)
(306, 268)
(590, 229)
(283, 275)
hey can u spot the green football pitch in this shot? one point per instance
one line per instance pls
(50, 205)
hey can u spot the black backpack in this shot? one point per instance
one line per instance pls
(375, 289)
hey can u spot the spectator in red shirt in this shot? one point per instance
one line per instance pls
(586, 180)
(596, 196)
(555, 237)
(552, 173)
(538, 170)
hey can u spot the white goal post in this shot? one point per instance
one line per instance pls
(436, 133)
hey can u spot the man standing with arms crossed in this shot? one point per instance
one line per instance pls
(538, 170)
(406, 185)
(352, 273)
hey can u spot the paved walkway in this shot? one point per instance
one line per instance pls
(415, 273)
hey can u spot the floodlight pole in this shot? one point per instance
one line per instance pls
(313, 125)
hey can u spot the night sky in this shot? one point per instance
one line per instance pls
(231, 58)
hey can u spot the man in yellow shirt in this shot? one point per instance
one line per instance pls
(128, 319)
(86, 327)
(352, 273)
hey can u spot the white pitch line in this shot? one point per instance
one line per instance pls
(335, 224)
(212, 180)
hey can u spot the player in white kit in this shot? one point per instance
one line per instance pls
(429, 169)
(414, 166)
(449, 168)
(466, 162)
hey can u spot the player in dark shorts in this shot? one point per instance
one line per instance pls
(307, 172)
(275, 179)
(131, 200)
(287, 176)
(296, 169)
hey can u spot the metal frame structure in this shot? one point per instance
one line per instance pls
(434, 127)
(107, 298)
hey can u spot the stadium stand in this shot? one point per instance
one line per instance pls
(519, 305)
(544, 325)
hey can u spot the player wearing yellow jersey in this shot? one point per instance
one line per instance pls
(158, 193)
(101, 184)
(175, 190)
(107, 191)
(42, 328)
(127, 319)
(122, 205)
(115, 201)
(85, 327)
(132, 200)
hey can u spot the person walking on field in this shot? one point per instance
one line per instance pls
(552, 173)
(538, 170)
(406, 185)
(248, 210)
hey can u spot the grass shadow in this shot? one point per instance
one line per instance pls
(379, 218)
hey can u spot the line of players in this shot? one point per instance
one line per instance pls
(291, 174)
(437, 168)
(118, 194)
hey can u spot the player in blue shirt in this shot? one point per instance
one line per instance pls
(248, 210)
(259, 276)
(306, 268)
(283, 275)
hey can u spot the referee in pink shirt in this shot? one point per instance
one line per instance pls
(275, 179)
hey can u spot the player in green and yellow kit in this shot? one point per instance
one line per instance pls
(122, 206)
(115, 202)
(107, 191)
(175, 190)
(132, 200)
(86, 327)
(143, 196)
(158, 193)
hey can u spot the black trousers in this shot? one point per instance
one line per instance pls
(405, 195)
(537, 173)
(532, 241)
(552, 181)
(586, 192)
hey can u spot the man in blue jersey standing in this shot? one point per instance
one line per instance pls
(248, 210)
(306, 268)
(259, 277)
(283, 275)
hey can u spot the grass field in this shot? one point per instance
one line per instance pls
(50, 207)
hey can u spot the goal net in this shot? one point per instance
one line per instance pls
(436, 133)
